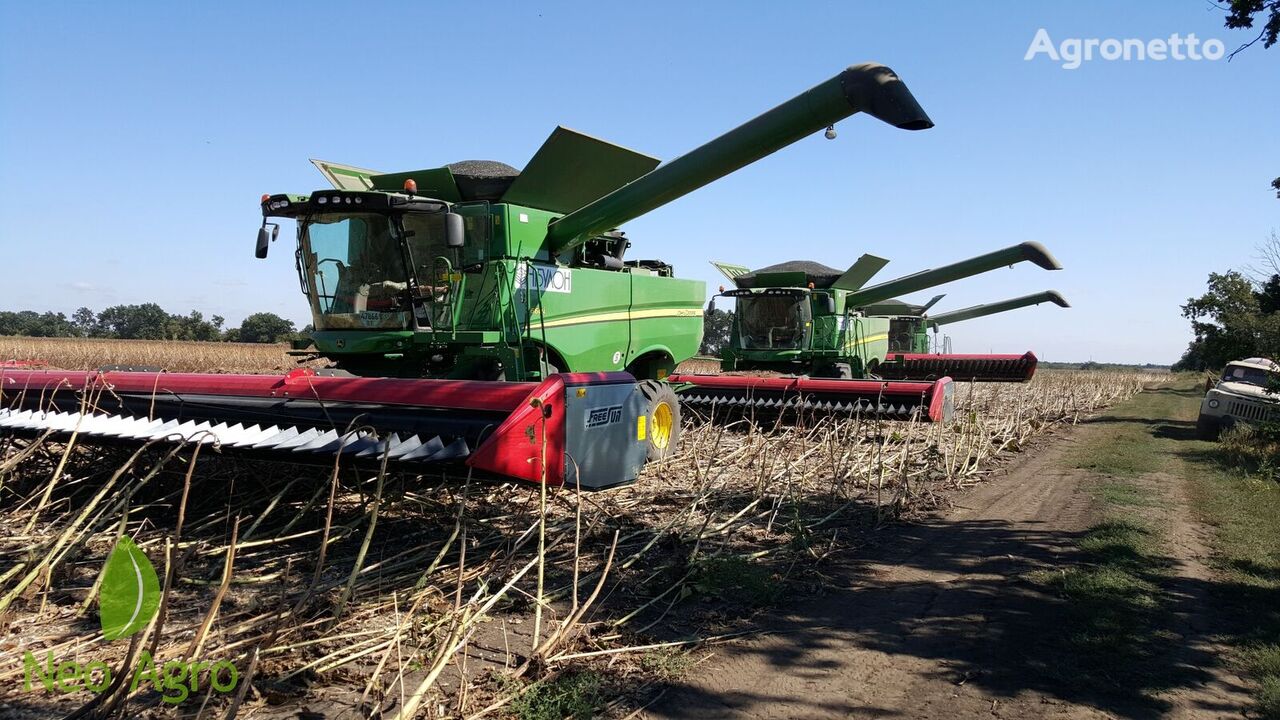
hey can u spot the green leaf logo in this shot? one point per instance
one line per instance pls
(130, 592)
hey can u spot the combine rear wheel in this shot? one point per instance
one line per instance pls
(662, 419)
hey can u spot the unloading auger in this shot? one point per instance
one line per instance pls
(454, 299)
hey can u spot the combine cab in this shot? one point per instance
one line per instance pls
(427, 287)
(805, 318)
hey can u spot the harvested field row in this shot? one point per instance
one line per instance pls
(347, 591)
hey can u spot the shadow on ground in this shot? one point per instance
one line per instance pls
(972, 598)
(992, 628)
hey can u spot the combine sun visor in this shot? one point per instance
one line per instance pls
(860, 273)
(345, 177)
(572, 169)
(730, 271)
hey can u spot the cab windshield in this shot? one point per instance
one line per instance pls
(902, 334)
(772, 322)
(354, 268)
(1246, 375)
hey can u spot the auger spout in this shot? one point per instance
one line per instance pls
(978, 311)
(869, 87)
(1028, 251)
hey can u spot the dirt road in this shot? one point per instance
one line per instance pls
(940, 620)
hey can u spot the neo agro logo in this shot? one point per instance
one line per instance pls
(1073, 52)
(128, 598)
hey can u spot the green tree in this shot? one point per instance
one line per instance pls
(1241, 14)
(195, 327)
(264, 328)
(85, 322)
(716, 326)
(147, 321)
(10, 323)
(1235, 319)
(34, 324)
(49, 324)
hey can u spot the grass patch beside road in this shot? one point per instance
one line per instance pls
(1118, 612)
(1244, 511)
(1113, 630)
(574, 695)
(1114, 605)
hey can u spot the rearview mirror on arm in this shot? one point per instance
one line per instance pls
(454, 230)
(265, 238)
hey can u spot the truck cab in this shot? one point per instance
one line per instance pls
(1241, 394)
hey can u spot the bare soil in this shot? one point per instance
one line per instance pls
(938, 619)
(1217, 692)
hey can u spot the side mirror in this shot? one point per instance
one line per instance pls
(831, 305)
(454, 230)
(265, 238)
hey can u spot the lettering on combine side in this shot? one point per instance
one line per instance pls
(546, 278)
(602, 416)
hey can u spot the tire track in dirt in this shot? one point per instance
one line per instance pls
(1218, 692)
(920, 620)
(937, 620)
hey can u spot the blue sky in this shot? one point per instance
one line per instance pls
(135, 141)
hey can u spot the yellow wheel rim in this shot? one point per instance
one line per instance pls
(660, 434)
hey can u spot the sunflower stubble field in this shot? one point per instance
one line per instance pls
(364, 594)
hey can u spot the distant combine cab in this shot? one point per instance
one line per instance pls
(1242, 395)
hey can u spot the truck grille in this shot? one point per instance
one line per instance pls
(1249, 411)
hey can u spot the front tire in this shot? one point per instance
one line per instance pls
(1207, 427)
(662, 419)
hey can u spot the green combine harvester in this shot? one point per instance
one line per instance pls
(491, 317)
(805, 318)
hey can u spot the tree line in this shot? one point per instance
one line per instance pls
(716, 327)
(147, 321)
(1238, 316)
